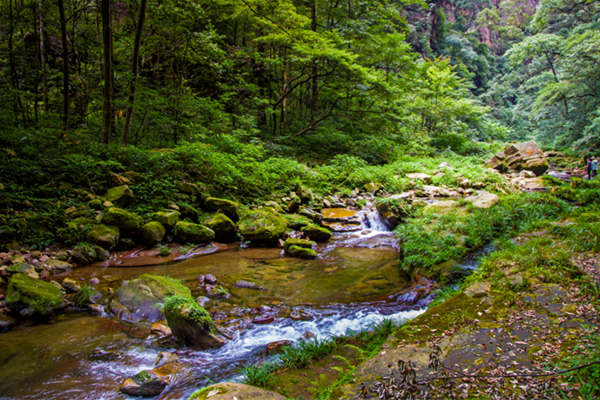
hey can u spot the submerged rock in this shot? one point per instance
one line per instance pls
(223, 227)
(247, 285)
(230, 390)
(33, 297)
(193, 233)
(137, 299)
(191, 323)
(145, 384)
(262, 226)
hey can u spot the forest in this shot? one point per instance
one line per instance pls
(299, 199)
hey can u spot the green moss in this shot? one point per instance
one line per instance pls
(120, 195)
(223, 226)
(264, 225)
(104, 235)
(203, 393)
(124, 220)
(39, 297)
(227, 207)
(167, 217)
(86, 295)
(153, 232)
(190, 323)
(317, 233)
(392, 210)
(308, 244)
(193, 233)
(300, 252)
(296, 221)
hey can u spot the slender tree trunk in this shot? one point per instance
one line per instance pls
(284, 86)
(42, 51)
(134, 72)
(555, 75)
(107, 112)
(314, 101)
(12, 63)
(65, 55)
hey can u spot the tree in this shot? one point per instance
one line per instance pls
(108, 114)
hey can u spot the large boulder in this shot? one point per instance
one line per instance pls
(392, 211)
(153, 232)
(146, 383)
(483, 199)
(167, 217)
(33, 297)
(227, 207)
(520, 156)
(230, 390)
(193, 233)
(137, 299)
(316, 233)
(119, 195)
(124, 220)
(191, 323)
(262, 226)
(300, 248)
(224, 228)
(104, 235)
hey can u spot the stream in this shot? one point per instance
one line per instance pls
(354, 284)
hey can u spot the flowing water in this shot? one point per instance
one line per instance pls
(352, 285)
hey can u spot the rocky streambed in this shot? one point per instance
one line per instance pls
(258, 297)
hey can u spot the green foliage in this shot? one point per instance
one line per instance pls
(298, 356)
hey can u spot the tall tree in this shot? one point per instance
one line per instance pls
(42, 53)
(65, 56)
(134, 72)
(107, 112)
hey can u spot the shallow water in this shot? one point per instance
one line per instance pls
(344, 290)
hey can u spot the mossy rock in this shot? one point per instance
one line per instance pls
(262, 226)
(392, 211)
(120, 195)
(300, 252)
(83, 253)
(227, 207)
(230, 390)
(138, 299)
(104, 235)
(189, 232)
(153, 232)
(293, 204)
(23, 268)
(296, 221)
(86, 295)
(191, 323)
(146, 383)
(167, 217)
(33, 297)
(308, 244)
(80, 224)
(124, 220)
(224, 227)
(317, 233)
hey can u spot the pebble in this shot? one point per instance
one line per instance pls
(94, 281)
(263, 319)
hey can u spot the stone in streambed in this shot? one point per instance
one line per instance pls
(316, 233)
(191, 323)
(274, 347)
(223, 227)
(145, 384)
(167, 217)
(230, 390)
(70, 285)
(247, 285)
(262, 226)
(33, 297)
(300, 252)
(153, 232)
(227, 207)
(193, 233)
(392, 211)
(124, 220)
(23, 268)
(104, 235)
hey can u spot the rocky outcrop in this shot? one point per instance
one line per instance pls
(33, 297)
(520, 156)
(120, 195)
(262, 226)
(230, 390)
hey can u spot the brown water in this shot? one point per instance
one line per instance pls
(80, 356)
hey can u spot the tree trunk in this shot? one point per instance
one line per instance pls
(107, 112)
(284, 87)
(134, 72)
(42, 51)
(315, 81)
(65, 55)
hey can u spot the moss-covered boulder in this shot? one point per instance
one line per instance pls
(300, 248)
(84, 253)
(392, 211)
(262, 226)
(191, 323)
(189, 232)
(139, 299)
(120, 195)
(316, 233)
(296, 221)
(146, 383)
(230, 390)
(23, 268)
(153, 232)
(124, 220)
(104, 235)
(33, 297)
(227, 207)
(293, 203)
(167, 217)
(224, 228)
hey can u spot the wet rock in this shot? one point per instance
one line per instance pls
(193, 233)
(308, 335)
(477, 289)
(126, 221)
(94, 281)
(164, 357)
(33, 297)
(58, 266)
(6, 322)
(103, 355)
(23, 268)
(296, 221)
(293, 204)
(70, 285)
(202, 300)
(153, 232)
(299, 314)
(160, 329)
(145, 384)
(136, 300)
(84, 253)
(104, 235)
(86, 296)
(483, 199)
(210, 279)
(241, 284)
(227, 207)
(392, 211)
(274, 347)
(317, 233)
(214, 291)
(191, 323)
(167, 217)
(311, 214)
(262, 226)
(300, 252)
(120, 195)
(224, 228)
(263, 319)
(230, 390)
